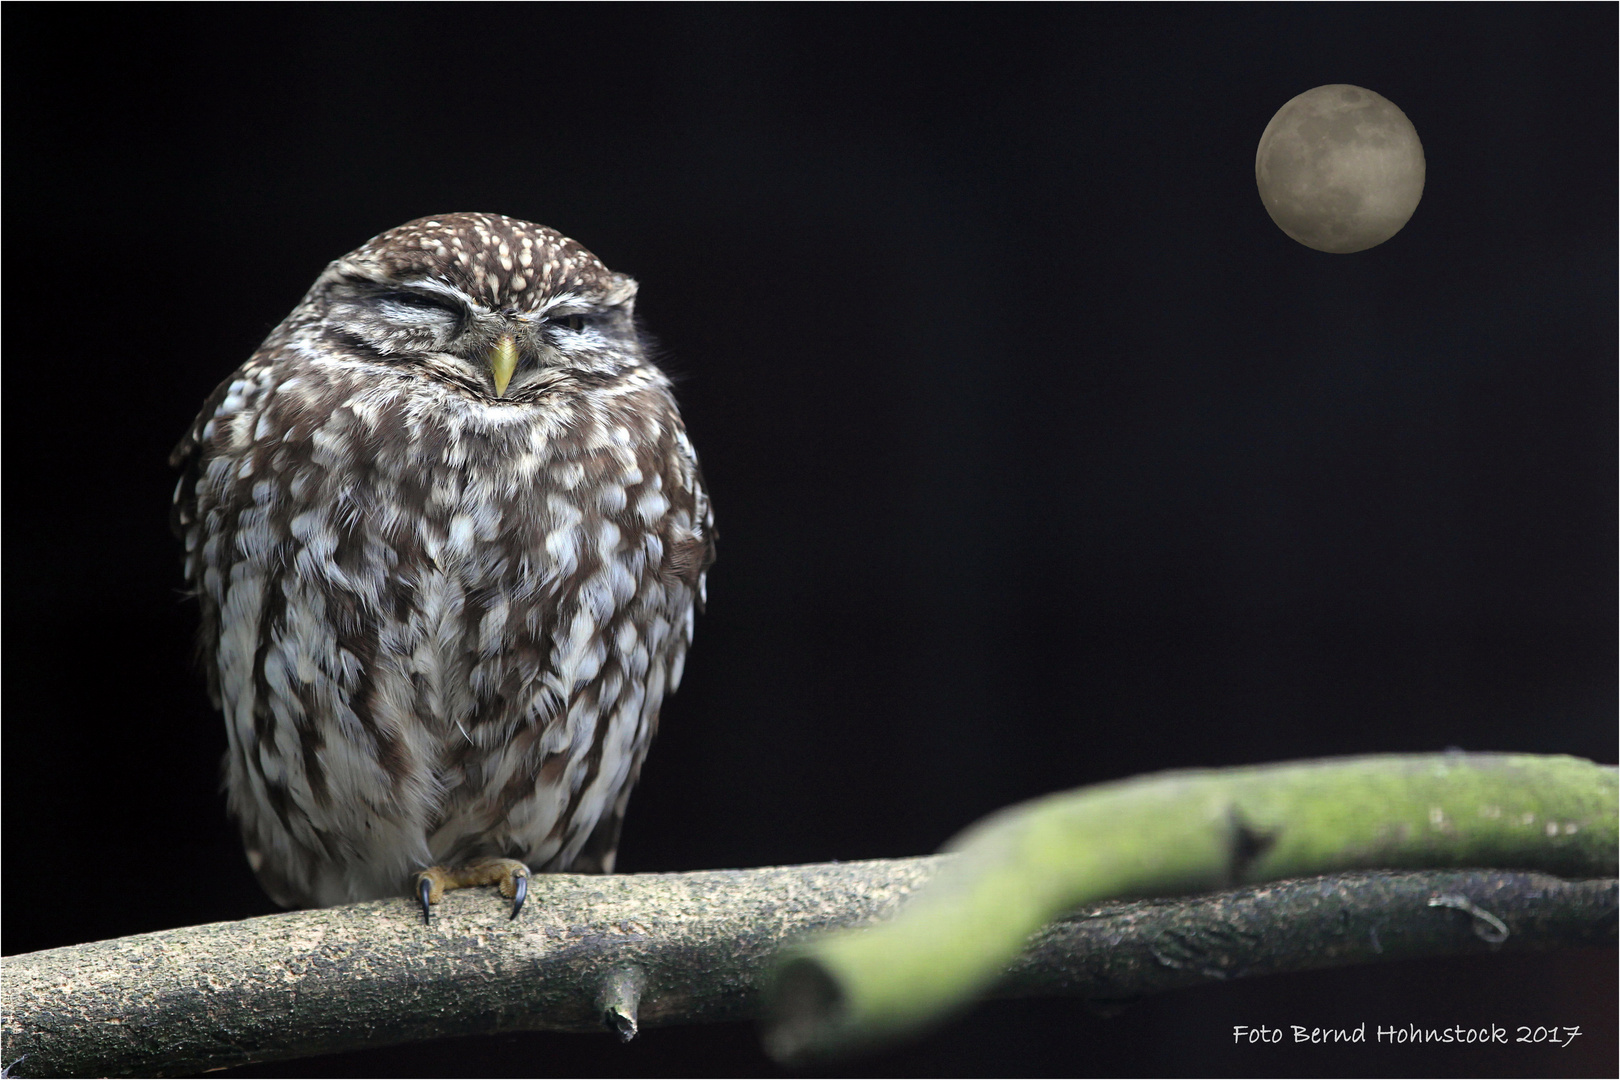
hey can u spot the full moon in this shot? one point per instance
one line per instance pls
(1340, 168)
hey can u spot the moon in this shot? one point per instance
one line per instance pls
(1340, 168)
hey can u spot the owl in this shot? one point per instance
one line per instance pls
(447, 533)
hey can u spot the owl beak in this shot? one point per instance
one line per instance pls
(503, 360)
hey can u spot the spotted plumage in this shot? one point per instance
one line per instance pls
(447, 534)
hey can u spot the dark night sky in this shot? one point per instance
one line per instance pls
(1040, 456)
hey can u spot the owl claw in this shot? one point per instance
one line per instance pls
(510, 874)
(520, 893)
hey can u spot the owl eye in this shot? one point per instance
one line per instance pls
(411, 304)
(576, 323)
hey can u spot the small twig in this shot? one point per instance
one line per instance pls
(1489, 928)
(620, 998)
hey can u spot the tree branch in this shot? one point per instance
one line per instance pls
(650, 949)
(1179, 833)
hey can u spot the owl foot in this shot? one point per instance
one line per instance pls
(511, 875)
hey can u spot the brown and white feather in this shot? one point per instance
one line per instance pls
(440, 621)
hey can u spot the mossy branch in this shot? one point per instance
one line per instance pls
(1179, 833)
(627, 951)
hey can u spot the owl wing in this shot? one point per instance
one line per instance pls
(688, 543)
(186, 514)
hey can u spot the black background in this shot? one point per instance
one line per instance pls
(1040, 455)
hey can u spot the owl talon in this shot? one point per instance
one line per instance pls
(509, 874)
(520, 891)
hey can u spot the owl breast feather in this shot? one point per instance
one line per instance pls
(439, 627)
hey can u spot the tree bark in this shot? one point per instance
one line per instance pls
(618, 951)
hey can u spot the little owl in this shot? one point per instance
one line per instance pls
(447, 533)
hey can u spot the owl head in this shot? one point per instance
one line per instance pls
(501, 307)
